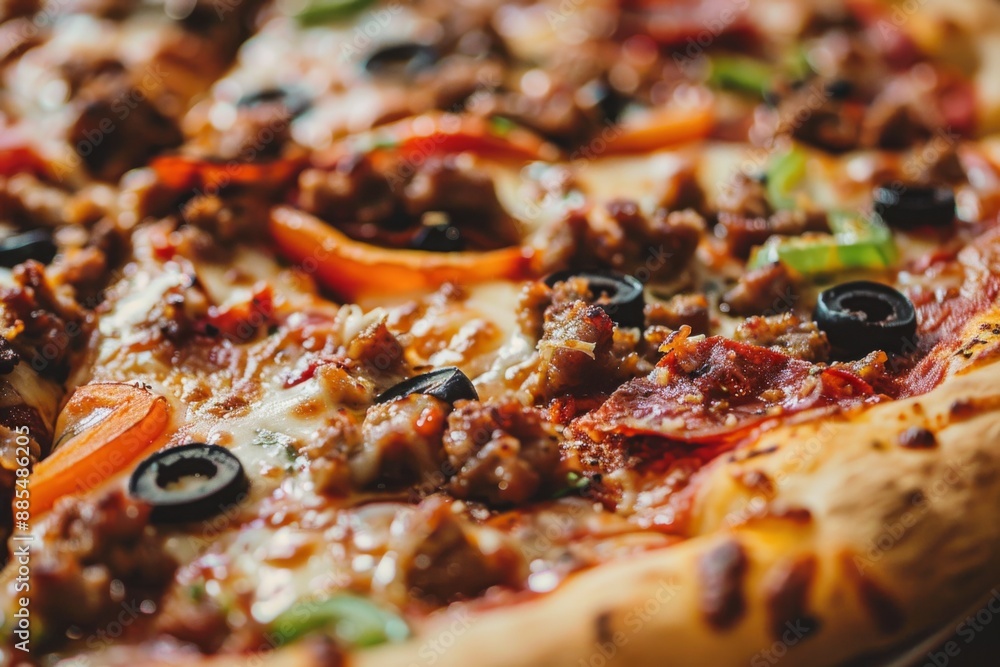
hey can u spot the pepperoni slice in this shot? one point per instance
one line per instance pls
(715, 390)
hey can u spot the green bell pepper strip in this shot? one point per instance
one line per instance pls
(784, 173)
(797, 64)
(745, 75)
(855, 243)
(318, 12)
(351, 620)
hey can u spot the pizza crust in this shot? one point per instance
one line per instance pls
(863, 530)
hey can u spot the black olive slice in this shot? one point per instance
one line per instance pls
(405, 59)
(294, 99)
(909, 206)
(36, 244)
(839, 89)
(438, 238)
(188, 483)
(617, 294)
(447, 384)
(860, 317)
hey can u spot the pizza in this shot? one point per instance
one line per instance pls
(550, 332)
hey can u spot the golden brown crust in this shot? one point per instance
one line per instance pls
(859, 543)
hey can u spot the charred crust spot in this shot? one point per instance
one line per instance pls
(721, 572)
(762, 451)
(917, 437)
(962, 409)
(602, 626)
(786, 595)
(758, 481)
(799, 515)
(884, 610)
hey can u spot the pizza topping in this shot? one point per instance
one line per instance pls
(446, 384)
(318, 12)
(355, 191)
(401, 441)
(440, 237)
(765, 290)
(104, 427)
(909, 206)
(190, 482)
(715, 389)
(353, 269)
(98, 553)
(404, 59)
(575, 352)
(681, 310)
(659, 245)
(131, 140)
(752, 210)
(41, 320)
(445, 190)
(862, 316)
(444, 559)
(786, 333)
(36, 244)
(352, 621)
(721, 572)
(503, 453)
(855, 243)
(293, 99)
(742, 74)
(617, 294)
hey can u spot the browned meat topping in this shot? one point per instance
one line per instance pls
(746, 218)
(832, 125)
(27, 201)
(785, 333)
(401, 442)
(937, 165)
(575, 351)
(240, 217)
(744, 196)
(387, 205)
(380, 354)
(353, 192)
(466, 196)
(458, 83)
(721, 572)
(649, 247)
(447, 563)
(502, 452)
(43, 323)
(14, 8)
(99, 554)
(200, 622)
(873, 370)
(764, 291)
(109, 136)
(680, 310)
